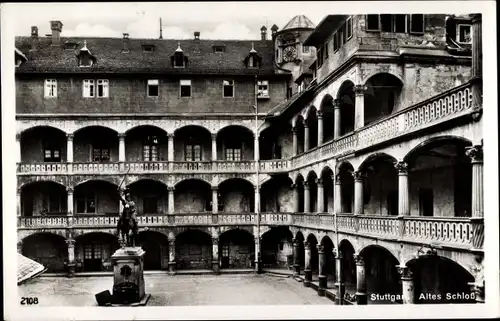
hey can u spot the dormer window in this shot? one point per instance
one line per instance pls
(148, 48)
(70, 45)
(253, 60)
(179, 60)
(85, 57)
(219, 49)
(464, 34)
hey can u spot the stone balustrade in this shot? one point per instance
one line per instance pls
(447, 231)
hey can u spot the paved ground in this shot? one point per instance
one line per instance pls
(178, 290)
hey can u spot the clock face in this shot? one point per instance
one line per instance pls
(289, 54)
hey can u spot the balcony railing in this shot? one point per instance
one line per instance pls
(441, 108)
(447, 231)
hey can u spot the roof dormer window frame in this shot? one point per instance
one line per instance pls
(219, 49)
(458, 35)
(148, 48)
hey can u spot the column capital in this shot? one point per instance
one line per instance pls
(70, 190)
(121, 136)
(402, 167)
(170, 135)
(18, 136)
(293, 186)
(306, 185)
(70, 136)
(359, 259)
(215, 240)
(319, 181)
(475, 153)
(171, 188)
(337, 178)
(214, 188)
(321, 248)
(295, 130)
(214, 136)
(257, 188)
(358, 176)
(359, 90)
(336, 104)
(337, 253)
(255, 239)
(306, 125)
(70, 242)
(18, 190)
(295, 242)
(307, 245)
(319, 113)
(171, 242)
(256, 136)
(404, 271)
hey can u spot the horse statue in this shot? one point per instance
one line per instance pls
(127, 224)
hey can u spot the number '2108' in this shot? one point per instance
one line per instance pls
(29, 300)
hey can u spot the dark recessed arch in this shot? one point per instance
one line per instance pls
(42, 127)
(411, 156)
(377, 157)
(146, 127)
(95, 127)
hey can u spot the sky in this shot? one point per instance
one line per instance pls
(223, 20)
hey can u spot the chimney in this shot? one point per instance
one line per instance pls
(56, 27)
(34, 37)
(263, 33)
(196, 35)
(125, 43)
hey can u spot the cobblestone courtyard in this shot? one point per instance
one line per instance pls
(178, 290)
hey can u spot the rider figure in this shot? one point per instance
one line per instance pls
(128, 208)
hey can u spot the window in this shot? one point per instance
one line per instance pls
(417, 23)
(252, 62)
(263, 89)
(326, 50)
(464, 34)
(150, 205)
(88, 88)
(179, 60)
(50, 88)
(277, 54)
(86, 204)
(92, 251)
(86, 60)
(192, 152)
(150, 149)
(228, 88)
(386, 22)
(233, 154)
(102, 88)
(305, 49)
(219, 49)
(51, 154)
(349, 28)
(400, 23)
(426, 203)
(100, 154)
(342, 35)
(289, 92)
(225, 250)
(153, 87)
(372, 22)
(148, 48)
(185, 88)
(320, 57)
(336, 42)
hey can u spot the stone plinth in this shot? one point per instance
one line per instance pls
(128, 280)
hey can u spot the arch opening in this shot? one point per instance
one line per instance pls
(146, 143)
(235, 143)
(348, 269)
(150, 196)
(193, 250)
(312, 123)
(96, 197)
(193, 196)
(345, 171)
(299, 131)
(236, 195)
(155, 245)
(93, 251)
(43, 144)
(328, 189)
(277, 195)
(277, 248)
(347, 107)
(193, 143)
(48, 249)
(95, 144)
(382, 97)
(44, 198)
(272, 142)
(237, 249)
(328, 115)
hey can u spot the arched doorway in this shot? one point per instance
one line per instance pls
(347, 107)
(237, 249)
(277, 248)
(193, 250)
(344, 172)
(48, 249)
(93, 251)
(155, 245)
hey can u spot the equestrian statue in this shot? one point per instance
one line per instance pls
(127, 224)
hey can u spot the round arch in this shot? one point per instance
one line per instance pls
(155, 244)
(379, 156)
(90, 127)
(236, 249)
(145, 126)
(201, 128)
(347, 102)
(432, 142)
(46, 248)
(45, 197)
(93, 251)
(193, 249)
(313, 242)
(235, 126)
(37, 182)
(277, 248)
(375, 73)
(41, 127)
(233, 179)
(103, 179)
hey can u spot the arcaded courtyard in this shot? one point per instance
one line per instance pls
(178, 290)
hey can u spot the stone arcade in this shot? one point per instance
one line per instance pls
(361, 167)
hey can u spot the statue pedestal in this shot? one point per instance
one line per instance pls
(128, 280)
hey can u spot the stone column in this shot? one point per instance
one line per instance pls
(321, 196)
(257, 261)
(71, 257)
(256, 147)
(339, 282)
(70, 204)
(215, 255)
(121, 147)
(214, 147)
(320, 127)
(336, 118)
(295, 145)
(403, 189)
(337, 198)
(257, 200)
(296, 199)
(306, 137)
(69, 148)
(170, 156)
(359, 91)
(171, 207)
(476, 155)
(407, 284)
(171, 256)
(307, 263)
(18, 148)
(215, 199)
(361, 295)
(321, 270)
(358, 192)
(18, 202)
(307, 203)
(296, 258)
(477, 65)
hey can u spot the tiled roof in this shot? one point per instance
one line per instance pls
(110, 58)
(299, 21)
(27, 268)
